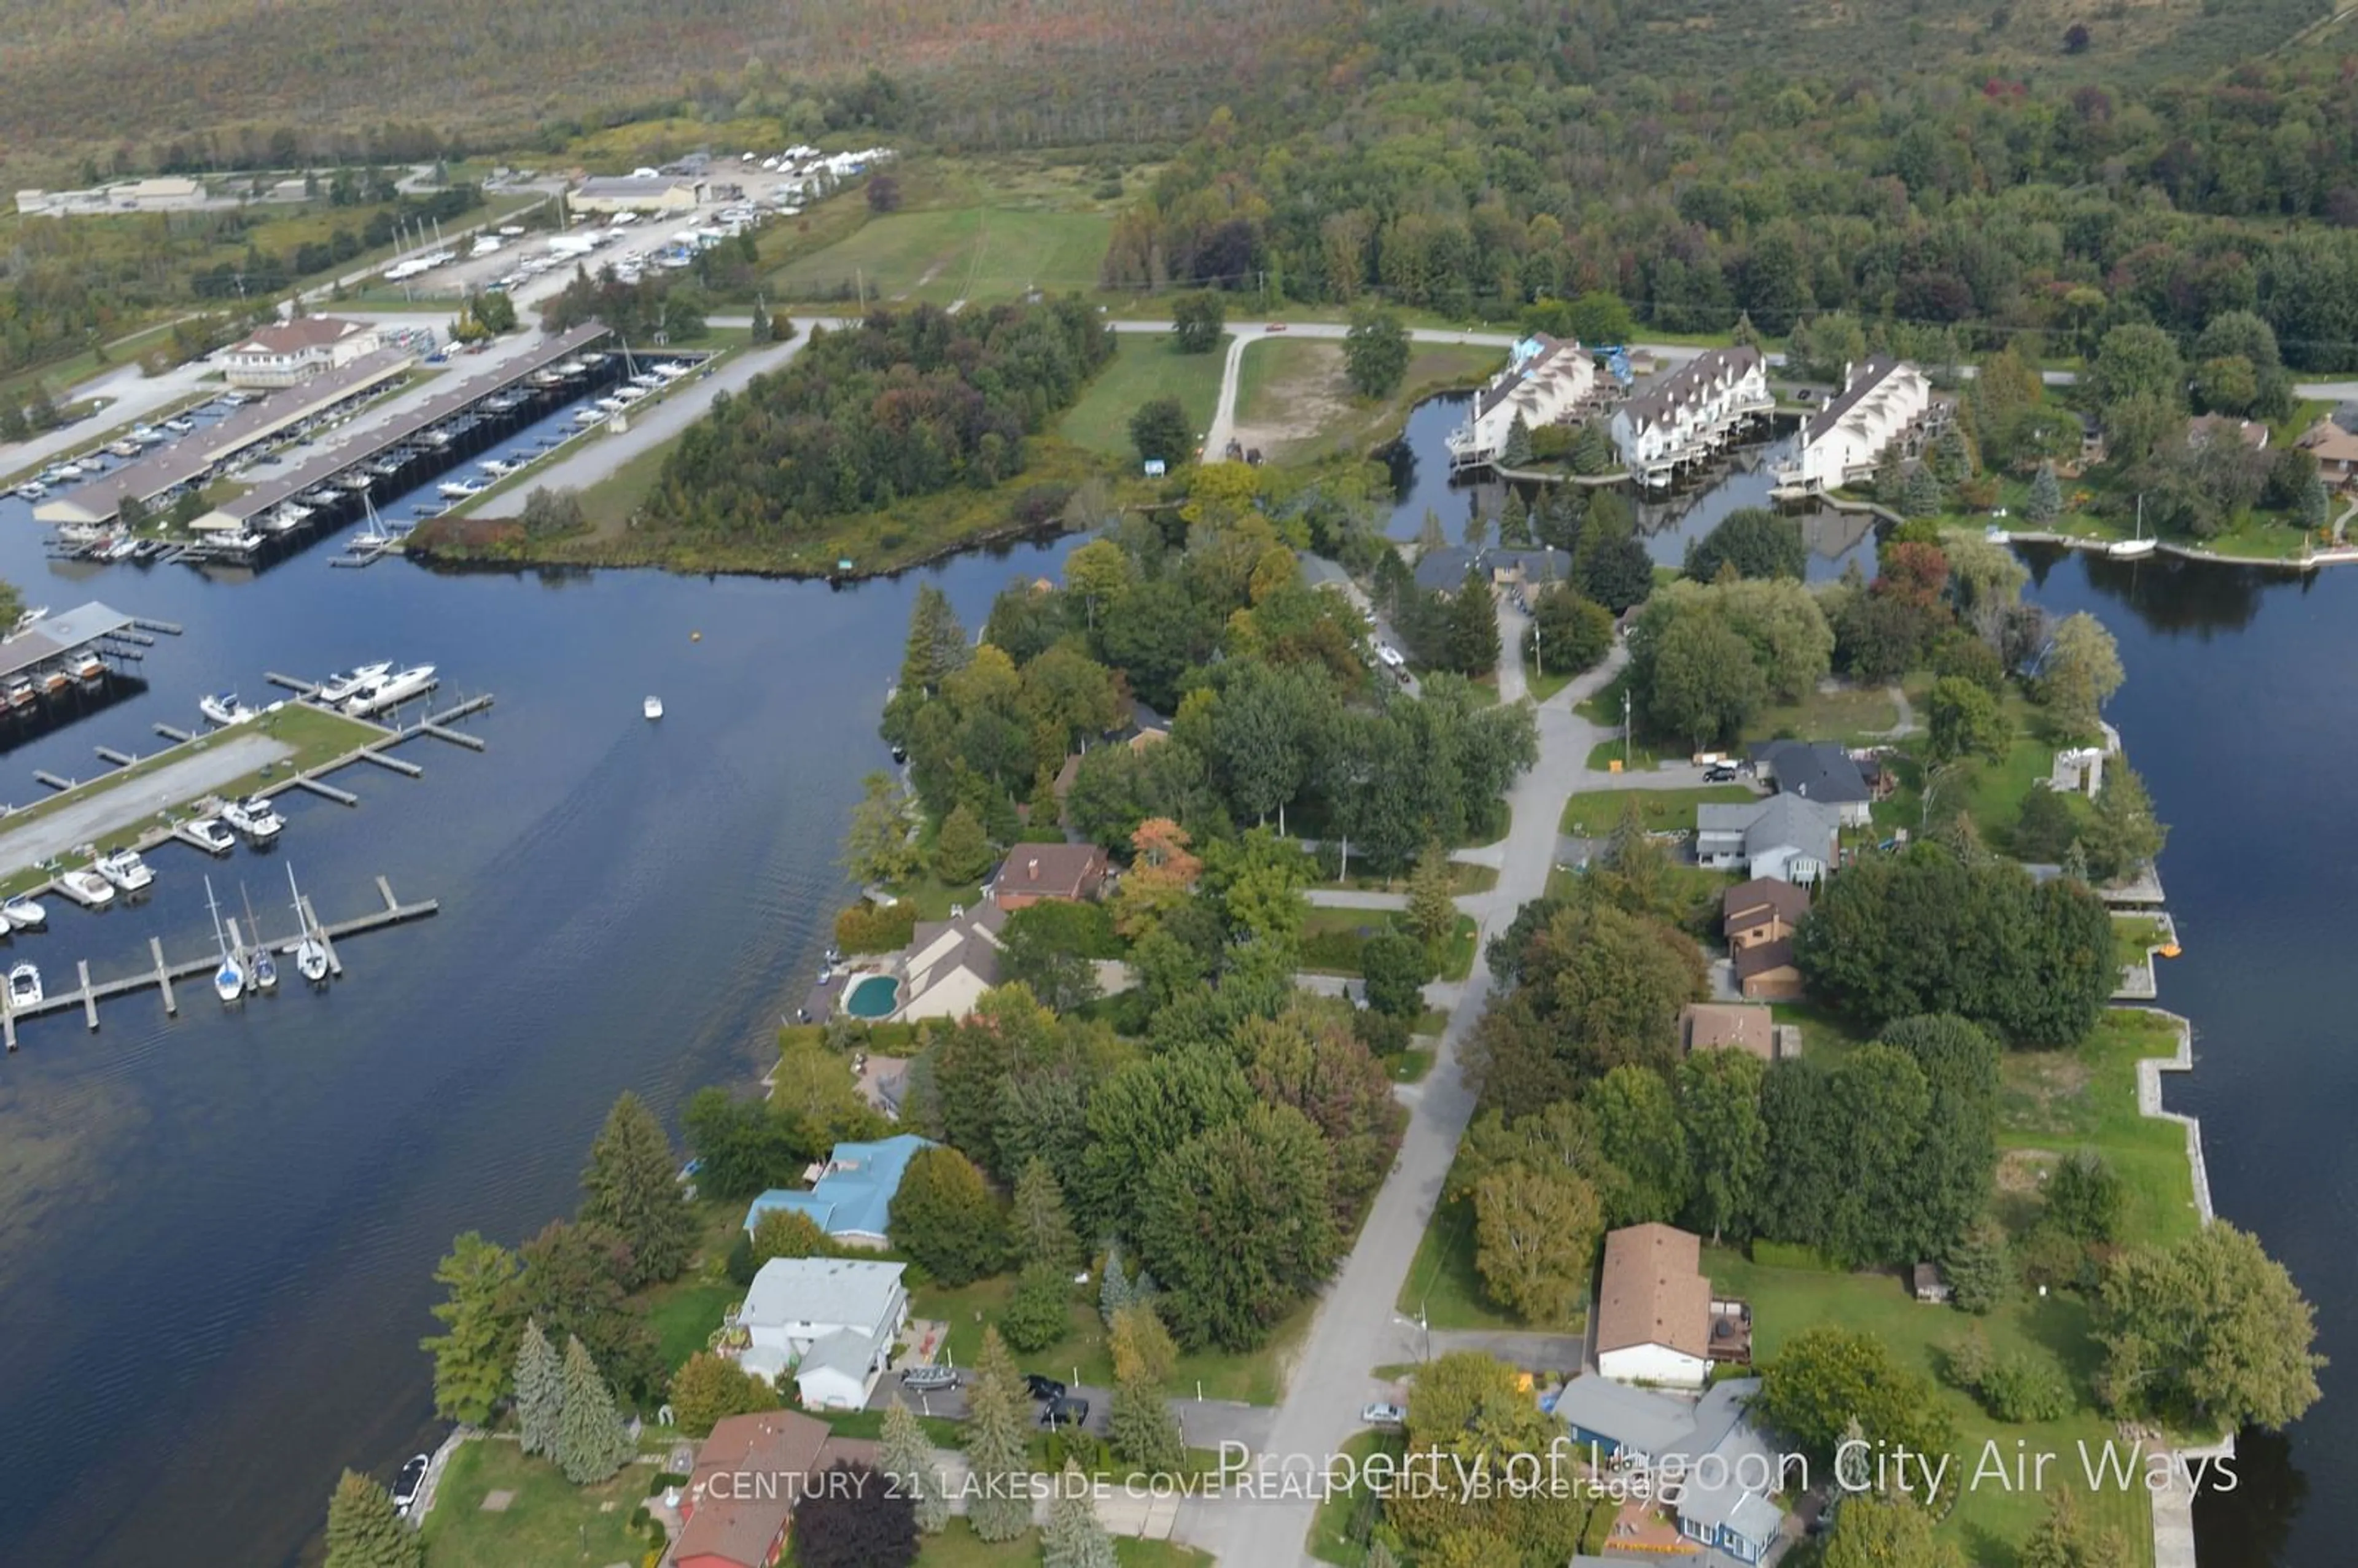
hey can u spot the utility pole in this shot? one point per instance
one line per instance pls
(1625, 728)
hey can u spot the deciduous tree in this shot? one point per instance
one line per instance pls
(1535, 1234)
(1965, 721)
(709, 1389)
(1873, 1532)
(1238, 1224)
(1827, 1377)
(1726, 1141)
(945, 1217)
(851, 1517)
(1197, 319)
(1374, 351)
(472, 1353)
(2209, 1331)
(1162, 432)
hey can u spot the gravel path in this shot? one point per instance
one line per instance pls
(110, 811)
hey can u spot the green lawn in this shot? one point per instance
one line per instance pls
(1254, 1377)
(1464, 939)
(2134, 935)
(1850, 715)
(1141, 369)
(1989, 1521)
(548, 1523)
(1634, 756)
(1296, 386)
(1594, 813)
(1826, 1037)
(1463, 877)
(977, 252)
(1341, 1533)
(1442, 1281)
(684, 1316)
(2051, 1102)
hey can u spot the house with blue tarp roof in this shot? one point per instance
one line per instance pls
(852, 1198)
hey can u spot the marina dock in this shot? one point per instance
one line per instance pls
(161, 974)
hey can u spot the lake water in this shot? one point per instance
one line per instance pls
(1422, 483)
(218, 1232)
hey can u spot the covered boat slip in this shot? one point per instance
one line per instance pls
(194, 458)
(53, 637)
(405, 426)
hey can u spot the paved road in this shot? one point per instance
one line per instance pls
(1354, 898)
(136, 800)
(1355, 1329)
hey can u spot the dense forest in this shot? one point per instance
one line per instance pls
(905, 404)
(1463, 171)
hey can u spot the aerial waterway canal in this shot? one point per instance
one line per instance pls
(217, 1233)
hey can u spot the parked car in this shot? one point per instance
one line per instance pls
(1043, 1388)
(931, 1379)
(1065, 1413)
(405, 1484)
(1383, 1415)
(1277, 326)
(1720, 774)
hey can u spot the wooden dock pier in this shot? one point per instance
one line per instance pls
(120, 759)
(300, 687)
(89, 993)
(170, 733)
(51, 779)
(398, 765)
(340, 796)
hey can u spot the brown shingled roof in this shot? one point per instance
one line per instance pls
(1741, 905)
(1653, 1291)
(759, 1462)
(1764, 956)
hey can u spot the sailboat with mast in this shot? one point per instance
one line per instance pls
(261, 970)
(2131, 549)
(310, 953)
(228, 980)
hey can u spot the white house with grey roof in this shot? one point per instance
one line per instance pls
(1720, 1477)
(831, 1321)
(1787, 836)
(1880, 400)
(1690, 414)
(1545, 379)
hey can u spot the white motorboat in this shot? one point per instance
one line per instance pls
(24, 913)
(345, 682)
(497, 468)
(87, 888)
(209, 833)
(391, 691)
(229, 979)
(589, 415)
(457, 489)
(224, 708)
(310, 953)
(255, 818)
(652, 707)
(32, 490)
(24, 987)
(125, 871)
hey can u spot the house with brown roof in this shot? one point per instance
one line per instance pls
(1765, 909)
(2204, 428)
(1068, 873)
(1766, 971)
(749, 1475)
(1716, 1025)
(1657, 1321)
(287, 352)
(2335, 449)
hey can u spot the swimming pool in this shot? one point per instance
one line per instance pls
(872, 997)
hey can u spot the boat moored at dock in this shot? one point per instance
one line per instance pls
(86, 888)
(255, 818)
(23, 987)
(125, 871)
(391, 691)
(24, 913)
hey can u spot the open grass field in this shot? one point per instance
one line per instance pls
(2052, 1102)
(1255, 1377)
(1142, 368)
(549, 1521)
(1989, 1521)
(977, 252)
(1592, 813)
(1852, 715)
(1293, 403)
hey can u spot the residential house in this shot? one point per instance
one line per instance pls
(285, 352)
(2335, 449)
(1818, 770)
(739, 1505)
(1766, 971)
(1715, 1025)
(1880, 402)
(1765, 909)
(1545, 379)
(831, 1321)
(1727, 1508)
(852, 1198)
(1785, 836)
(951, 963)
(1066, 873)
(1656, 1320)
(2204, 428)
(1691, 412)
(639, 193)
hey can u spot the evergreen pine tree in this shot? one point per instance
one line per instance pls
(1432, 911)
(759, 331)
(937, 642)
(1922, 497)
(1114, 1291)
(590, 1442)
(2046, 501)
(1515, 522)
(1592, 449)
(1891, 476)
(1073, 1538)
(539, 1390)
(1516, 451)
(999, 1506)
(961, 850)
(1378, 1556)
(906, 1454)
(1979, 1273)
(1041, 1224)
(633, 1191)
(1144, 1432)
(2075, 861)
(365, 1530)
(1473, 625)
(1428, 536)
(1476, 532)
(2316, 506)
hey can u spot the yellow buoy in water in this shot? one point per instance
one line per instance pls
(2170, 950)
